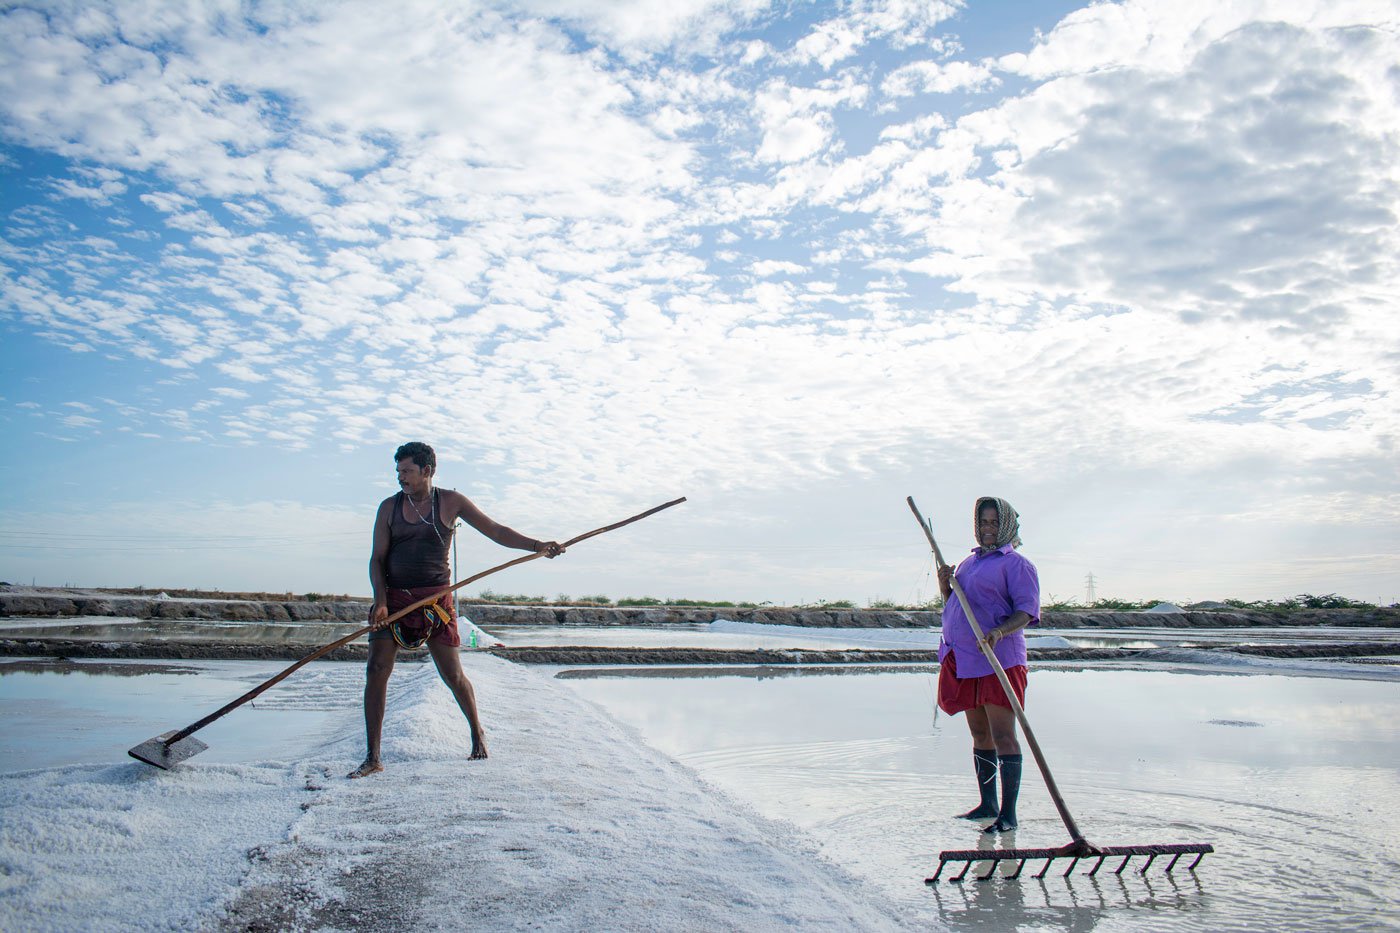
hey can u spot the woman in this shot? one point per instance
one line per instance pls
(1003, 589)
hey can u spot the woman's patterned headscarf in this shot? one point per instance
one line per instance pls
(1008, 523)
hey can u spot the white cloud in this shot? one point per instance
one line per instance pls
(1173, 249)
(642, 26)
(1192, 181)
(101, 193)
(902, 22)
(935, 78)
(771, 267)
(241, 371)
(168, 202)
(797, 121)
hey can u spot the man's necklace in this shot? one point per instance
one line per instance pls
(431, 520)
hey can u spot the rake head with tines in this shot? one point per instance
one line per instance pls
(1073, 851)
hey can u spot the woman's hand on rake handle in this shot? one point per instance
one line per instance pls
(945, 580)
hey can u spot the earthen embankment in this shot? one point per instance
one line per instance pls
(17, 602)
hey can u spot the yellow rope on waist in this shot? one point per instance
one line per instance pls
(437, 618)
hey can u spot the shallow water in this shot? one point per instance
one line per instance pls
(1294, 780)
(725, 634)
(91, 712)
(124, 629)
(696, 636)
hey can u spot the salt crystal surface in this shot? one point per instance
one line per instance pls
(572, 823)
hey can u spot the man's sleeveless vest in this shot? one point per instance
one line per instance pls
(418, 550)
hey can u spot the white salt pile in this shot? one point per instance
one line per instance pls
(571, 824)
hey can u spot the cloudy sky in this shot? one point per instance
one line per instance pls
(1132, 266)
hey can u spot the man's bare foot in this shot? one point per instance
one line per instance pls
(371, 766)
(478, 746)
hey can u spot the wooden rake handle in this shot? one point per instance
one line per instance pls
(1005, 683)
(326, 649)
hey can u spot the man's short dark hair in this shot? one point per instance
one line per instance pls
(420, 453)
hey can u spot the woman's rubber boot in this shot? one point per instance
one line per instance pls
(1010, 790)
(985, 760)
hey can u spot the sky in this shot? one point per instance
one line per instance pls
(1133, 267)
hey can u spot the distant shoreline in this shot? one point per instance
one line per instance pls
(73, 602)
(102, 624)
(1285, 608)
(64, 652)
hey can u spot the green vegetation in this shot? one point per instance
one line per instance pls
(713, 604)
(1100, 605)
(1302, 601)
(176, 592)
(1050, 603)
(509, 599)
(564, 599)
(932, 605)
(1293, 604)
(644, 602)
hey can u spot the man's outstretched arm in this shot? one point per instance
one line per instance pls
(503, 535)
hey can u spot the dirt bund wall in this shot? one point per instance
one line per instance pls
(50, 605)
(583, 655)
(68, 604)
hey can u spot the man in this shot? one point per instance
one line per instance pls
(412, 537)
(1003, 589)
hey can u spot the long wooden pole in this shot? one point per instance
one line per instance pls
(1075, 835)
(326, 649)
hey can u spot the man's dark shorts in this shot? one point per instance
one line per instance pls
(416, 623)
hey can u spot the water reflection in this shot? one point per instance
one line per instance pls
(50, 721)
(720, 635)
(128, 630)
(706, 636)
(747, 672)
(856, 758)
(64, 666)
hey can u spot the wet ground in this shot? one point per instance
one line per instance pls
(1294, 780)
(1291, 773)
(62, 712)
(112, 637)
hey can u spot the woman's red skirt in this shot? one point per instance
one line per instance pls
(956, 695)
